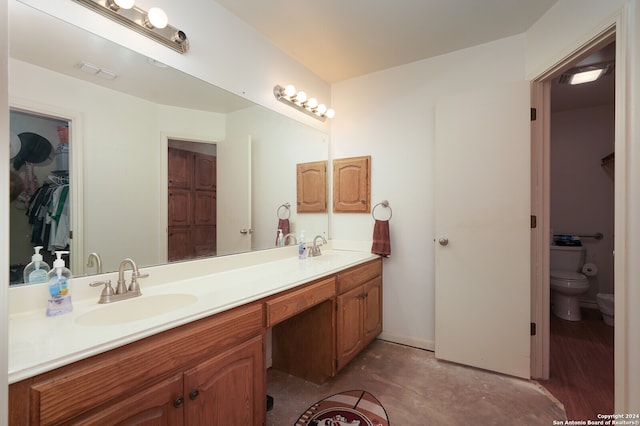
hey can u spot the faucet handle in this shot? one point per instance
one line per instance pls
(134, 286)
(107, 291)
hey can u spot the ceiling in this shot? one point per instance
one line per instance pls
(343, 39)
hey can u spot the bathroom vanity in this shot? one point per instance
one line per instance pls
(204, 363)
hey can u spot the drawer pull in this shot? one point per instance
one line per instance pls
(178, 402)
(193, 394)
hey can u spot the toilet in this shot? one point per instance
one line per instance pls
(566, 282)
(606, 305)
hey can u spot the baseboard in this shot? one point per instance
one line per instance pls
(408, 341)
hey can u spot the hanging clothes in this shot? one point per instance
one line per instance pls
(48, 214)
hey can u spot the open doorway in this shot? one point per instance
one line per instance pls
(192, 185)
(573, 196)
(40, 212)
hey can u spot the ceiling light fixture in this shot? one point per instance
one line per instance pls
(153, 24)
(581, 75)
(300, 101)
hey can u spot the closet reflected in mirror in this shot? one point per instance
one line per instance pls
(39, 198)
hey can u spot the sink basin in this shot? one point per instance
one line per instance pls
(139, 308)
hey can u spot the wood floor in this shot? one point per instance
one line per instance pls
(581, 365)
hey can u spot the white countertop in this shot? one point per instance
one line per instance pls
(38, 343)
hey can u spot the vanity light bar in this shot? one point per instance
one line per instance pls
(140, 21)
(299, 100)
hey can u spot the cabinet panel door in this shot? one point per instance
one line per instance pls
(180, 168)
(372, 309)
(311, 187)
(352, 185)
(157, 405)
(229, 389)
(205, 172)
(180, 243)
(204, 212)
(180, 207)
(349, 330)
(204, 241)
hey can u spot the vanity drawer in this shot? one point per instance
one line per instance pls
(290, 304)
(357, 275)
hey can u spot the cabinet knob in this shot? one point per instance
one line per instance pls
(178, 402)
(194, 394)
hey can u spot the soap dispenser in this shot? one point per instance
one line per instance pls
(36, 271)
(280, 242)
(302, 248)
(59, 294)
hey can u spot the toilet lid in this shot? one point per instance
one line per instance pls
(567, 275)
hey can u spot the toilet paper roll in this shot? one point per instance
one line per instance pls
(589, 269)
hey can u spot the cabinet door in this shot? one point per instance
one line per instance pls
(372, 320)
(352, 185)
(180, 168)
(205, 172)
(311, 186)
(228, 389)
(180, 243)
(349, 330)
(161, 404)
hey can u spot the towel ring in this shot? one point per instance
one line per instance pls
(286, 206)
(383, 203)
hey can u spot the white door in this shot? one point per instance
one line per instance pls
(234, 195)
(482, 205)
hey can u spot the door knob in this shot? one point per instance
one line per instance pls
(443, 241)
(243, 231)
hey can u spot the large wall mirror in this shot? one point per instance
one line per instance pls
(111, 117)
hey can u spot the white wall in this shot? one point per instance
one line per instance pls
(390, 116)
(581, 189)
(277, 145)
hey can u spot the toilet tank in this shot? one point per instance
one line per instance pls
(567, 258)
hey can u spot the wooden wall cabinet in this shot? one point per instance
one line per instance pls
(352, 185)
(311, 186)
(210, 372)
(359, 306)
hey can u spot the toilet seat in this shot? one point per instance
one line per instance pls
(567, 275)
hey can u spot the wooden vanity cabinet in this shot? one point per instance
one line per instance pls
(359, 306)
(209, 372)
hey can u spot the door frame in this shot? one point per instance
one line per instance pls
(163, 222)
(616, 29)
(76, 174)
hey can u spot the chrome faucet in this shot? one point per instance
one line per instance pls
(90, 260)
(121, 291)
(295, 240)
(315, 249)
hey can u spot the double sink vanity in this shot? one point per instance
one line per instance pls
(192, 349)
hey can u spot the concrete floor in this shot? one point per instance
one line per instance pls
(417, 389)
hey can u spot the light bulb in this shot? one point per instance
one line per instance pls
(312, 103)
(156, 18)
(124, 4)
(301, 97)
(289, 91)
(116, 5)
(322, 108)
(330, 113)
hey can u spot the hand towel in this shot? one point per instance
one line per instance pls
(381, 240)
(284, 225)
